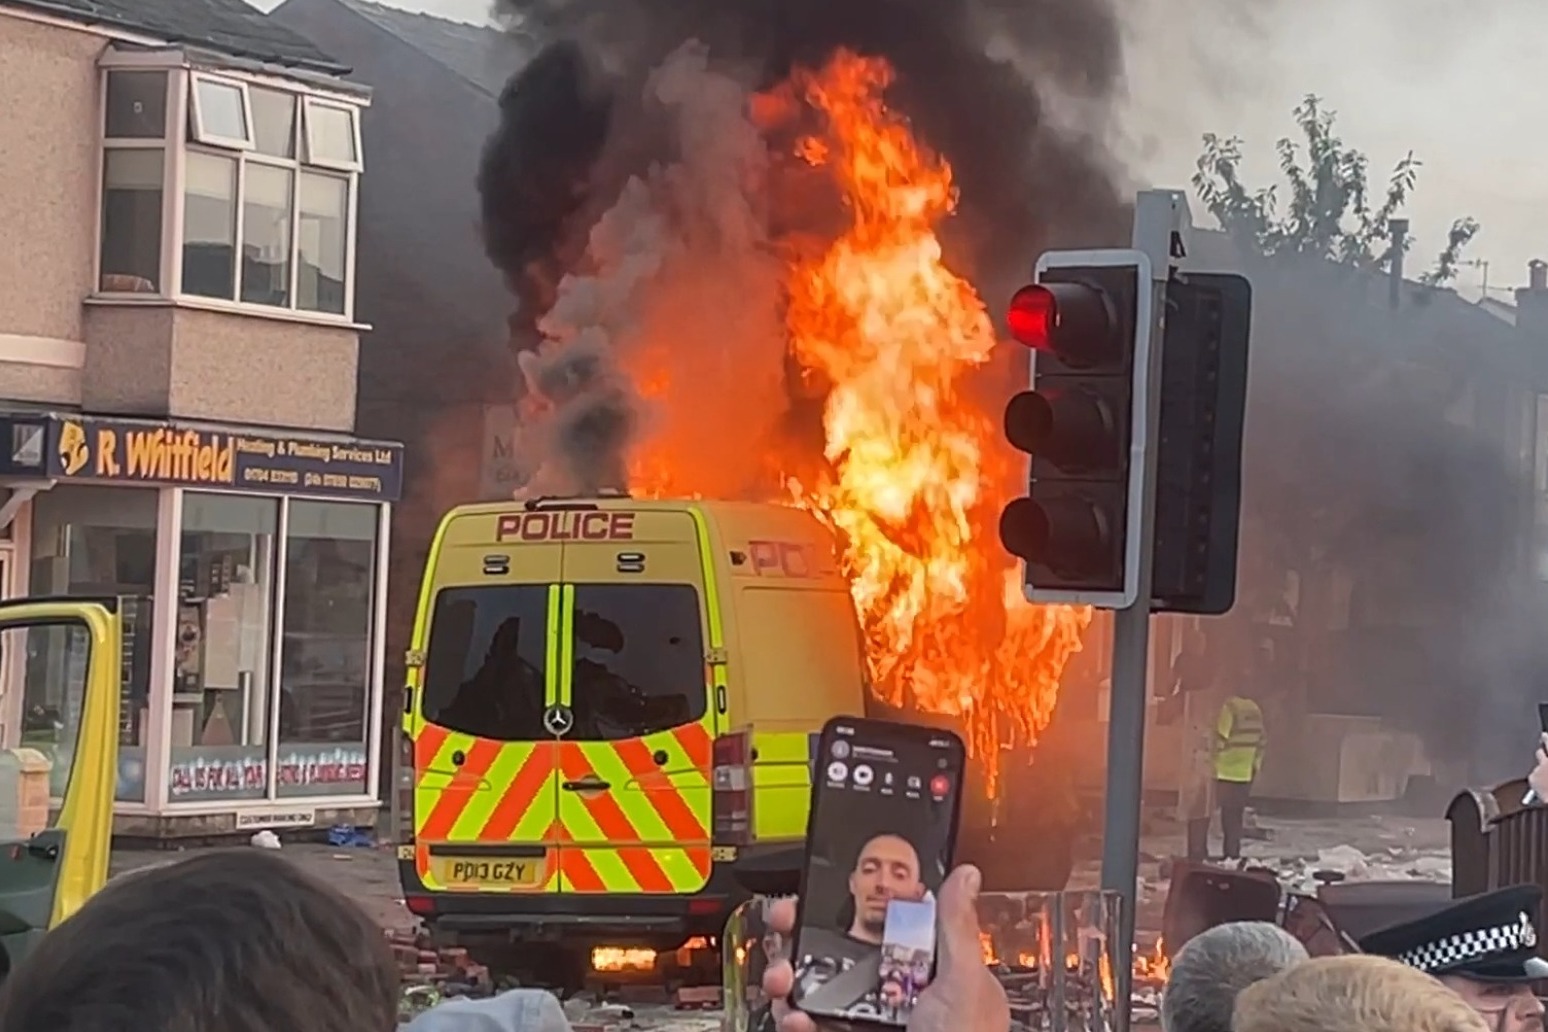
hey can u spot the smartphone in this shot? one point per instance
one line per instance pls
(880, 836)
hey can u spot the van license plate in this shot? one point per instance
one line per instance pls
(489, 873)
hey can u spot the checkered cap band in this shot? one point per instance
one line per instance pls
(1472, 946)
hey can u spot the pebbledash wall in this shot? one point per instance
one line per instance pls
(251, 568)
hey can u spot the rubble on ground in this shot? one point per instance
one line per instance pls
(430, 975)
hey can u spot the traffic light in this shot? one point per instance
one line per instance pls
(1199, 459)
(1087, 322)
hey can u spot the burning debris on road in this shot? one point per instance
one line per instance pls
(745, 243)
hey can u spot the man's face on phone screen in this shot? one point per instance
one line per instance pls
(887, 868)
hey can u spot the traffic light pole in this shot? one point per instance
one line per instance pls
(1160, 218)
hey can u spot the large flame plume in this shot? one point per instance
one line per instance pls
(914, 476)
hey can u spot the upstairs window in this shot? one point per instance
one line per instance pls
(262, 194)
(134, 167)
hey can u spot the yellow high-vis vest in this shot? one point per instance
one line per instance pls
(1240, 739)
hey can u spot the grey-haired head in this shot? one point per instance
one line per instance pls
(1213, 967)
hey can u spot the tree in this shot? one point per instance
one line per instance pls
(1330, 212)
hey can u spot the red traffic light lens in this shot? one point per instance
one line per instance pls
(1032, 316)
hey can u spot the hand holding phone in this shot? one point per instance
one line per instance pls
(880, 836)
(962, 993)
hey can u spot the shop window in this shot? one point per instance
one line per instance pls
(326, 648)
(638, 660)
(486, 668)
(221, 701)
(102, 541)
(267, 186)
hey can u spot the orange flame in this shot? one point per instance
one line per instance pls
(622, 958)
(1151, 968)
(914, 478)
(910, 488)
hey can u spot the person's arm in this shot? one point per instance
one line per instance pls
(1257, 756)
(1224, 726)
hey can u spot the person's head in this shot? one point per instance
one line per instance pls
(1506, 1006)
(1214, 966)
(1483, 947)
(230, 941)
(1353, 994)
(886, 868)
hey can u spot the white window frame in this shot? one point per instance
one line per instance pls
(309, 104)
(196, 114)
(168, 556)
(170, 156)
(183, 135)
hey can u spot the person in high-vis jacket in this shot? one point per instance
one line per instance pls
(1239, 742)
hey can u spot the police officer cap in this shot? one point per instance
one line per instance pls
(1491, 937)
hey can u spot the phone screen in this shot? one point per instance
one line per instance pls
(879, 843)
(1542, 716)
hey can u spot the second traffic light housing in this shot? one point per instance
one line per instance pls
(1087, 323)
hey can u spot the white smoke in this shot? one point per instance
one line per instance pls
(675, 273)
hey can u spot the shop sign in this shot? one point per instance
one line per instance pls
(251, 820)
(215, 772)
(144, 452)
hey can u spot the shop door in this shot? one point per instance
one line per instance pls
(485, 758)
(54, 856)
(634, 796)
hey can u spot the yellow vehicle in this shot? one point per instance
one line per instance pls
(581, 673)
(63, 659)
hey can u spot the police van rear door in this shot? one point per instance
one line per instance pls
(634, 794)
(485, 758)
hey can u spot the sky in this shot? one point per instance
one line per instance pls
(1450, 81)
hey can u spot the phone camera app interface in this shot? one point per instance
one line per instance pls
(866, 945)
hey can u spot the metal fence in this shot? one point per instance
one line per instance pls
(1496, 841)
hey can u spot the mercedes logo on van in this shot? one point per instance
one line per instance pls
(558, 720)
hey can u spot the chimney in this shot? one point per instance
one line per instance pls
(1398, 230)
(1532, 299)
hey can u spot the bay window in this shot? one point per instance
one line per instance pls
(228, 189)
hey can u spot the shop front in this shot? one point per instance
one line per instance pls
(251, 566)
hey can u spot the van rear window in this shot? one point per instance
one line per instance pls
(638, 660)
(485, 667)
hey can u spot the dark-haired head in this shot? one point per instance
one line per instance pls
(235, 941)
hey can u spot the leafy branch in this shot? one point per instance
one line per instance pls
(1328, 211)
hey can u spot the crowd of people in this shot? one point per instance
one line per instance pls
(235, 940)
(1467, 967)
(244, 941)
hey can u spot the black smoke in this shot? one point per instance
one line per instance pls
(578, 124)
(1022, 184)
